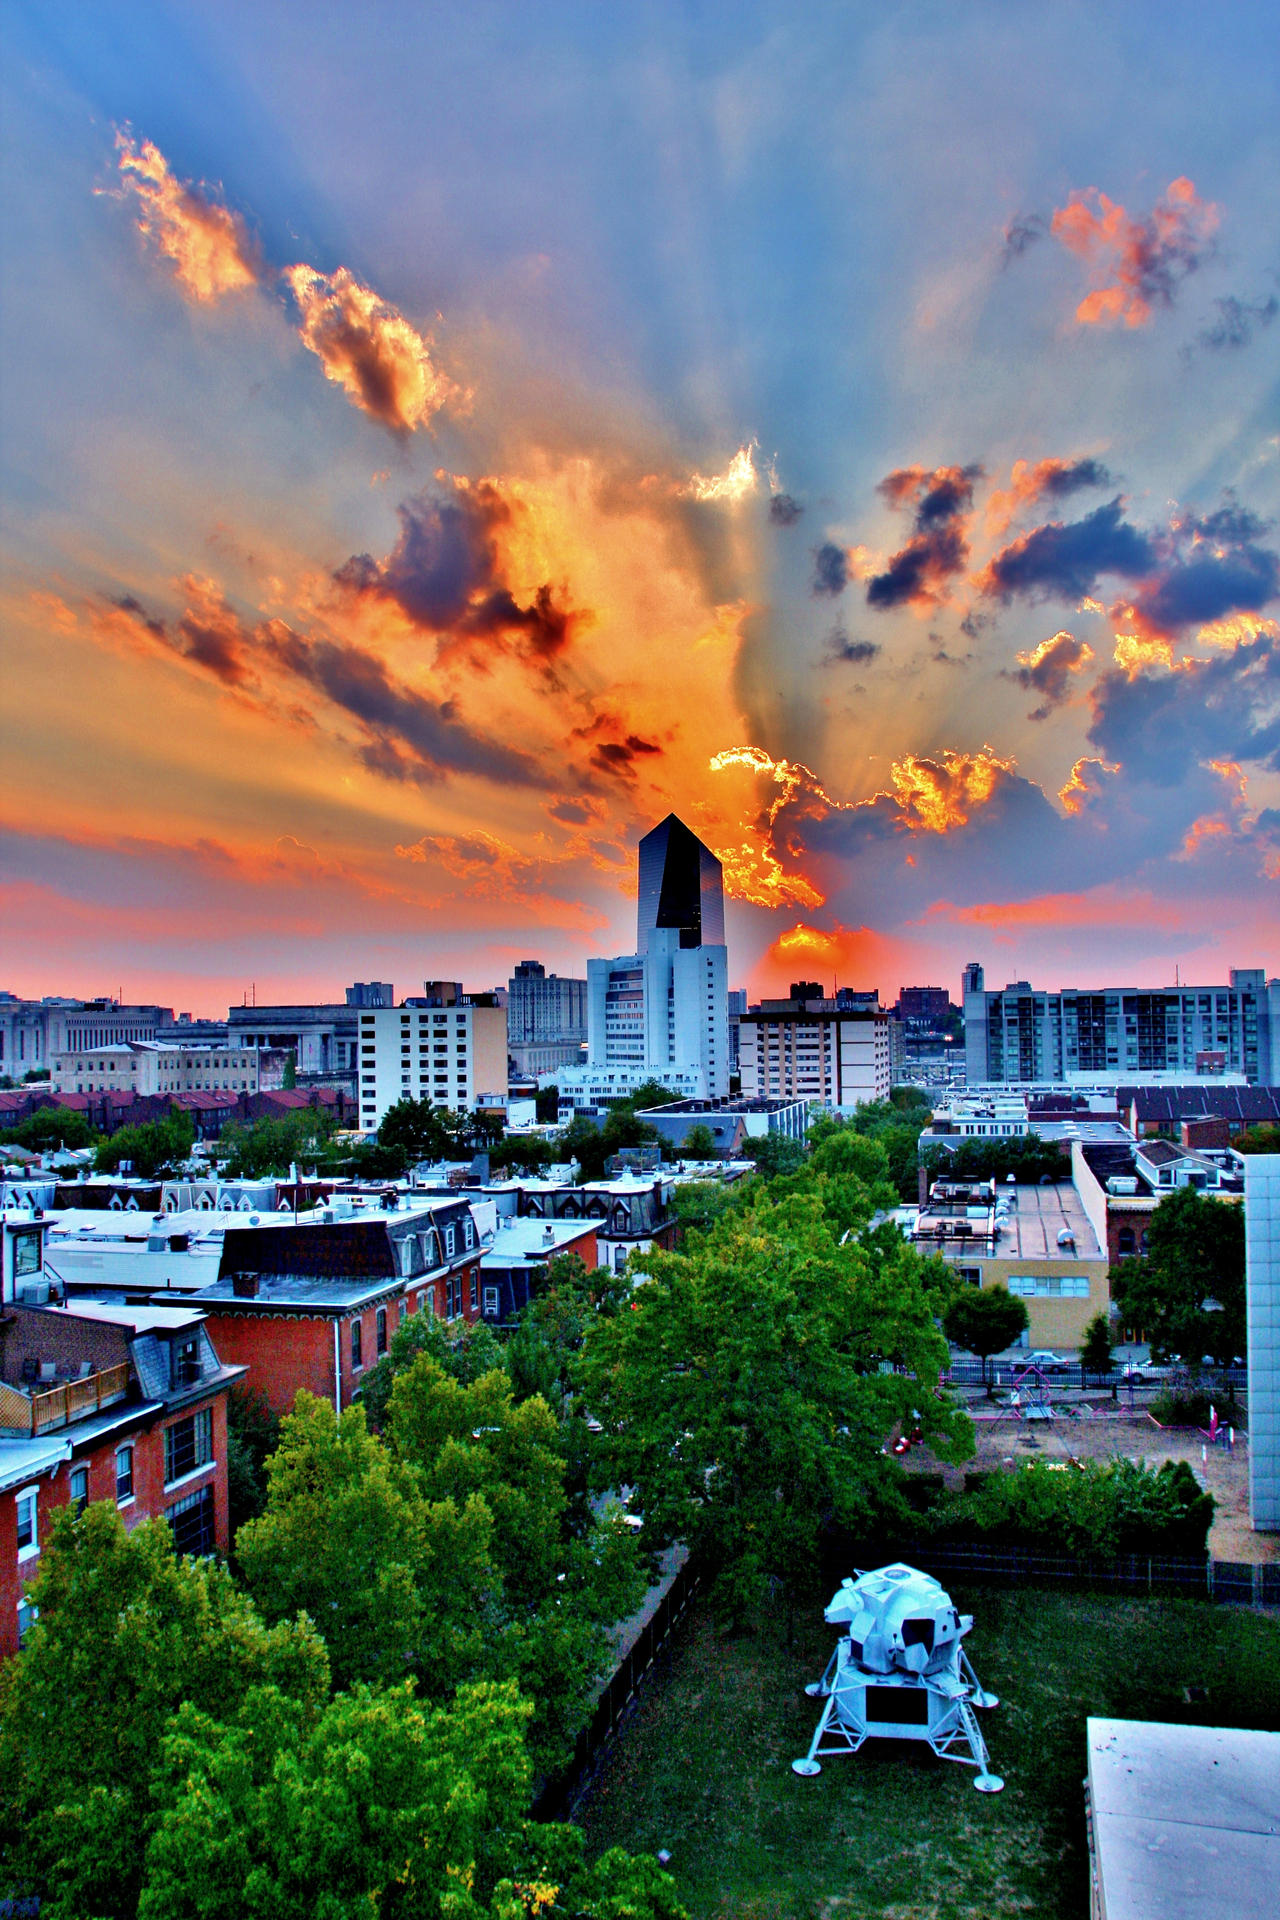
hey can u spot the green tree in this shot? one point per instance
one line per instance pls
(253, 1434)
(1263, 1139)
(698, 1204)
(158, 1147)
(748, 1390)
(289, 1078)
(985, 1320)
(774, 1153)
(375, 1805)
(583, 1141)
(50, 1127)
(270, 1147)
(126, 1633)
(546, 1105)
(1195, 1257)
(393, 1583)
(1095, 1348)
(416, 1128)
(699, 1143)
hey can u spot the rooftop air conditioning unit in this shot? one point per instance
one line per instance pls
(35, 1295)
(1122, 1184)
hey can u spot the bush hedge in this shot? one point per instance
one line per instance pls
(1092, 1510)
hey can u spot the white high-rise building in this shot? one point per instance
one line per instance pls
(661, 1013)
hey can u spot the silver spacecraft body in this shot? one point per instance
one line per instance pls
(900, 1672)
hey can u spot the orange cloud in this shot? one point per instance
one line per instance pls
(1047, 669)
(756, 874)
(1101, 907)
(737, 481)
(208, 245)
(1084, 784)
(1138, 262)
(1031, 481)
(1135, 652)
(369, 349)
(936, 794)
(836, 954)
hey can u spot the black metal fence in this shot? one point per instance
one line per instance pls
(559, 1796)
(1229, 1581)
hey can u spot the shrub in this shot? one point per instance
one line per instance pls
(1123, 1507)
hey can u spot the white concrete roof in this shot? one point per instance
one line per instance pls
(141, 1319)
(519, 1239)
(22, 1460)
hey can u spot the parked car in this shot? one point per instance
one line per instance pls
(1046, 1362)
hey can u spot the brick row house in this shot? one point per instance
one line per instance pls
(314, 1305)
(101, 1402)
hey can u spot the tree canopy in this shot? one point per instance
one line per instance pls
(51, 1126)
(747, 1390)
(158, 1147)
(442, 1550)
(168, 1756)
(985, 1320)
(1195, 1257)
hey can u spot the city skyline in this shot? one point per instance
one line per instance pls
(434, 455)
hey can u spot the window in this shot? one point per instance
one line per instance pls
(449, 1241)
(28, 1536)
(355, 1344)
(193, 1522)
(124, 1474)
(27, 1616)
(468, 1233)
(382, 1329)
(80, 1488)
(491, 1303)
(474, 1294)
(26, 1253)
(188, 1445)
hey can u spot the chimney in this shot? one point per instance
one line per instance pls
(548, 1236)
(244, 1286)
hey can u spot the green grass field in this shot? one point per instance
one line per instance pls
(704, 1769)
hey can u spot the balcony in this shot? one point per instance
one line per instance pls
(43, 1406)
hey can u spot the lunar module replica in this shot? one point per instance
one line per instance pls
(899, 1672)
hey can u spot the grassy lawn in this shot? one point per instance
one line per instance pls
(704, 1769)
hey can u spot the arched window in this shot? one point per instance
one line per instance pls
(1125, 1242)
(382, 1329)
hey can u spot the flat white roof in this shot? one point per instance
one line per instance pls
(516, 1239)
(141, 1319)
(22, 1459)
(1186, 1820)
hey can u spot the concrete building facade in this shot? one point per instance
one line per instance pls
(1024, 1034)
(451, 1056)
(147, 1067)
(816, 1050)
(1262, 1285)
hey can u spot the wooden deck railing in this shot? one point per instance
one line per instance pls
(56, 1405)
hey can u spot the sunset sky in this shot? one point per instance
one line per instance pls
(438, 441)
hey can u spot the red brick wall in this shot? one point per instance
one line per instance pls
(281, 1354)
(150, 1497)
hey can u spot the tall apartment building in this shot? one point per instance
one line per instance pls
(662, 1013)
(546, 1019)
(453, 1056)
(1023, 1033)
(810, 1048)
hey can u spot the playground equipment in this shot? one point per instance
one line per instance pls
(899, 1672)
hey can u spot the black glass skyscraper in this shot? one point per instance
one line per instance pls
(681, 886)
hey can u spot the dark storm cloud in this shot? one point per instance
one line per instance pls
(1021, 233)
(1237, 322)
(1162, 725)
(208, 633)
(1048, 669)
(937, 548)
(855, 652)
(1209, 586)
(619, 756)
(409, 736)
(443, 574)
(830, 568)
(784, 511)
(1066, 561)
(1058, 478)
